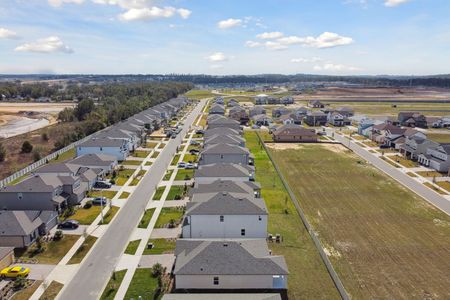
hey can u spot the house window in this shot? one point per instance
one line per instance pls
(216, 281)
(19, 196)
(222, 218)
(221, 156)
(243, 232)
(101, 148)
(259, 218)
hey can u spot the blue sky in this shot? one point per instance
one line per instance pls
(225, 37)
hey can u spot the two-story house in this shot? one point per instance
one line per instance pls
(437, 158)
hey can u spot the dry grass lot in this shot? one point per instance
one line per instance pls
(384, 241)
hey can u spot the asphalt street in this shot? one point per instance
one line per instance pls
(97, 267)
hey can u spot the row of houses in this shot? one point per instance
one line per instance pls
(223, 245)
(263, 99)
(31, 208)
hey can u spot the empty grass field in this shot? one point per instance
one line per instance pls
(439, 137)
(308, 278)
(384, 241)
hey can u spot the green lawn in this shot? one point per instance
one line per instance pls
(168, 174)
(86, 215)
(138, 178)
(146, 218)
(403, 161)
(124, 195)
(390, 162)
(167, 214)
(152, 144)
(113, 285)
(132, 247)
(131, 162)
(102, 193)
(54, 251)
(161, 146)
(149, 163)
(444, 184)
(83, 250)
(370, 144)
(431, 186)
(27, 292)
(439, 137)
(161, 246)
(155, 154)
(175, 160)
(199, 94)
(184, 174)
(190, 158)
(107, 218)
(142, 284)
(177, 190)
(313, 282)
(64, 156)
(158, 193)
(122, 176)
(429, 174)
(411, 174)
(52, 291)
(140, 153)
(384, 240)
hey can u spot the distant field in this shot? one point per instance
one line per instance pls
(199, 94)
(384, 241)
(439, 137)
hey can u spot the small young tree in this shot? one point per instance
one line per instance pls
(2, 153)
(44, 136)
(27, 147)
(157, 270)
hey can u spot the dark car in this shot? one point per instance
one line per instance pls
(69, 224)
(103, 184)
(194, 151)
(385, 147)
(99, 201)
(200, 131)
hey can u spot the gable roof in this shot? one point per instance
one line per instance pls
(223, 170)
(101, 160)
(39, 183)
(224, 139)
(292, 129)
(229, 186)
(224, 149)
(227, 257)
(103, 142)
(21, 223)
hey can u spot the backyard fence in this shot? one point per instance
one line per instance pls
(334, 276)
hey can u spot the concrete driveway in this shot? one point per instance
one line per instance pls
(166, 260)
(78, 231)
(38, 271)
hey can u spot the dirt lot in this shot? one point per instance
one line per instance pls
(384, 241)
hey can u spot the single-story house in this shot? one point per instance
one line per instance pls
(217, 109)
(228, 265)
(257, 110)
(224, 122)
(222, 131)
(262, 120)
(294, 133)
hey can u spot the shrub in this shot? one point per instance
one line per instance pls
(44, 136)
(157, 270)
(27, 147)
(87, 205)
(19, 283)
(2, 153)
(172, 223)
(68, 212)
(112, 181)
(58, 235)
(36, 155)
(177, 197)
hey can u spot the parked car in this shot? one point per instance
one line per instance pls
(99, 201)
(255, 127)
(14, 272)
(195, 143)
(194, 151)
(191, 166)
(200, 131)
(103, 184)
(181, 165)
(384, 147)
(69, 224)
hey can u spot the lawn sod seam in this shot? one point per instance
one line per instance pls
(334, 276)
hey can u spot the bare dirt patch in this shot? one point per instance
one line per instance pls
(284, 146)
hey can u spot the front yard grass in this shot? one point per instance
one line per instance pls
(383, 240)
(158, 193)
(167, 215)
(161, 246)
(113, 285)
(53, 253)
(142, 285)
(146, 218)
(52, 291)
(297, 247)
(83, 250)
(184, 174)
(439, 137)
(122, 175)
(86, 215)
(430, 174)
(27, 292)
(411, 174)
(167, 175)
(175, 160)
(124, 195)
(177, 192)
(132, 162)
(102, 193)
(190, 158)
(140, 153)
(431, 186)
(444, 184)
(149, 163)
(389, 162)
(137, 178)
(404, 162)
(107, 218)
(132, 247)
(151, 145)
(155, 154)
(370, 144)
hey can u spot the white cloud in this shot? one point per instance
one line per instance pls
(275, 46)
(217, 57)
(152, 13)
(392, 3)
(47, 45)
(57, 3)
(306, 60)
(252, 44)
(270, 35)
(325, 40)
(330, 67)
(229, 23)
(7, 34)
(127, 4)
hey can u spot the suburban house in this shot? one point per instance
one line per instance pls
(105, 162)
(286, 119)
(223, 171)
(437, 158)
(225, 153)
(416, 145)
(239, 114)
(287, 100)
(294, 133)
(20, 229)
(381, 131)
(337, 119)
(225, 139)
(223, 122)
(43, 192)
(225, 215)
(132, 140)
(219, 100)
(315, 118)
(273, 100)
(347, 112)
(217, 109)
(257, 110)
(221, 131)
(279, 111)
(232, 103)
(262, 120)
(398, 142)
(261, 99)
(301, 112)
(365, 126)
(228, 265)
(239, 187)
(412, 119)
(316, 104)
(443, 122)
(115, 147)
(87, 175)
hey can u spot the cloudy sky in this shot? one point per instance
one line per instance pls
(225, 37)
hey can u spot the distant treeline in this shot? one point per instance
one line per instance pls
(382, 80)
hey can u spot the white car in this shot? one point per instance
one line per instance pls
(191, 166)
(182, 165)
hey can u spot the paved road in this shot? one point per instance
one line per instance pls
(97, 267)
(420, 189)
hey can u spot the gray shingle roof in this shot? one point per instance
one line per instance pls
(224, 139)
(227, 257)
(223, 170)
(40, 183)
(292, 129)
(221, 131)
(224, 203)
(224, 186)
(101, 160)
(103, 142)
(225, 149)
(21, 223)
(221, 297)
